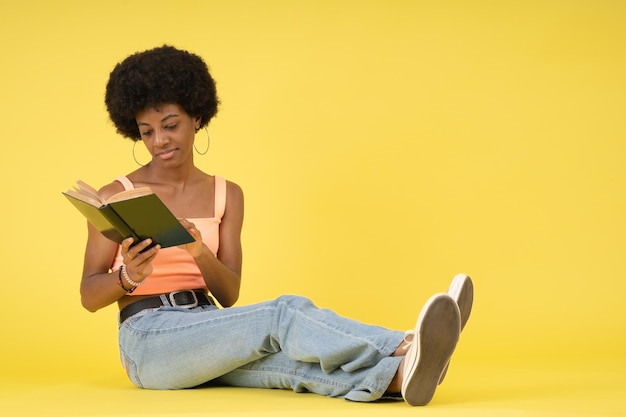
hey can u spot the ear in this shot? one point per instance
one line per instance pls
(198, 122)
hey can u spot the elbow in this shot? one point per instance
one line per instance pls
(89, 307)
(229, 295)
(88, 304)
(227, 300)
(230, 302)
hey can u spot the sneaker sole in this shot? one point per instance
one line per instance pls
(436, 335)
(462, 291)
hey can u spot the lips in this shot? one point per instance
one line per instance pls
(167, 154)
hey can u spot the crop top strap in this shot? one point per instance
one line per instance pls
(128, 185)
(220, 197)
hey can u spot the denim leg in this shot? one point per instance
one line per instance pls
(279, 371)
(172, 348)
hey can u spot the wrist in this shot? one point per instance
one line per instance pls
(201, 252)
(120, 282)
(124, 274)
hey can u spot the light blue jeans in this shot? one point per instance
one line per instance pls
(285, 343)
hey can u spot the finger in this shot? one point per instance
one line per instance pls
(126, 243)
(194, 232)
(187, 224)
(125, 247)
(133, 252)
(146, 257)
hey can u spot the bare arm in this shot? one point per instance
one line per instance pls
(99, 287)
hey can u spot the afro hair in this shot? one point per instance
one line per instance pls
(158, 76)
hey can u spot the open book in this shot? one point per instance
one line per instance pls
(136, 213)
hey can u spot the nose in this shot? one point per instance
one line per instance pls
(160, 137)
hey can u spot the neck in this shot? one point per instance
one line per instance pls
(178, 176)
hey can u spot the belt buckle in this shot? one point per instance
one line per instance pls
(173, 302)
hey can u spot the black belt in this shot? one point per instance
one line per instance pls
(184, 299)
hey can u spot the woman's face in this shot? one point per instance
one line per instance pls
(168, 132)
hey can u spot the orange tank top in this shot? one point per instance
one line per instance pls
(174, 269)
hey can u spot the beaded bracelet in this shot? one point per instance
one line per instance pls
(121, 284)
(124, 273)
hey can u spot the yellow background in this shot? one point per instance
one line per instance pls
(383, 147)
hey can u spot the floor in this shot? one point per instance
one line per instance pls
(568, 388)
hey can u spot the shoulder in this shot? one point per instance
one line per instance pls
(116, 186)
(233, 189)
(111, 189)
(234, 193)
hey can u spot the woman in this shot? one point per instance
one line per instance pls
(172, 334)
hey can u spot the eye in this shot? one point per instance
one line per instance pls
(146, 133)
(172, 126)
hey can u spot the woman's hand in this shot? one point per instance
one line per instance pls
(138, 263)
(194, 248)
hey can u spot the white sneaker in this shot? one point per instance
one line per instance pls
(434, 339)
(462, 292)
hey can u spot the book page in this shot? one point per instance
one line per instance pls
(129, 194)
(87, 190)
(88, 194)
(85, 197)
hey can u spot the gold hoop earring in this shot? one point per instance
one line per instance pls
(208, 144)
(135, 158)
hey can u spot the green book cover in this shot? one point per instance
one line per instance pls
(140, 217)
